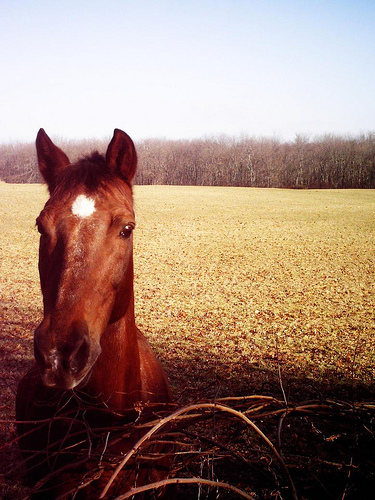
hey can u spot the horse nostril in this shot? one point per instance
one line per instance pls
(47, 365)
(79, 358)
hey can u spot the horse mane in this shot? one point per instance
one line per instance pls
(91, 171)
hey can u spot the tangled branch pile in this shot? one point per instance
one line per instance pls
(250, 447)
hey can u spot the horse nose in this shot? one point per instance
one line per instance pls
(61, 363)
(75, 361)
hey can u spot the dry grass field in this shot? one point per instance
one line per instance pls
(240, 291)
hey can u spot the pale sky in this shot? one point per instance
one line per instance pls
(186, 69)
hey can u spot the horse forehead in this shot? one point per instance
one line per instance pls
(83, 206)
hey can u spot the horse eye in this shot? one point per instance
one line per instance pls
(126, 231)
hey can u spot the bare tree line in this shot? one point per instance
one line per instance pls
(326, 162)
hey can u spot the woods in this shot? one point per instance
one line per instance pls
(325, 162)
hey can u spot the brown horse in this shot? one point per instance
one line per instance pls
(87, 347)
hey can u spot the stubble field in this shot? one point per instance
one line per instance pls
(240, 291)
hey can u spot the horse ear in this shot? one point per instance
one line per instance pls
(121, 155)
(52, 161)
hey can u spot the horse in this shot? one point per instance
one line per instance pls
(90, 356)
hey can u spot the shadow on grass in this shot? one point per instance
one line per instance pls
(204, 376)
(329, 454)
(327, 448)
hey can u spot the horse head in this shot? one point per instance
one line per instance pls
(85, 256)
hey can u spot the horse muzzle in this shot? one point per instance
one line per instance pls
(65, 364)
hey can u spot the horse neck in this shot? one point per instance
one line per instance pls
(116, 376)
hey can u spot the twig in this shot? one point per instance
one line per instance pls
(104, 449)
(248, 398)
(219, 445)
(279, 372)
(279, 427)
(9, 443)
(57, 472)
(347, 481)
(190, 480)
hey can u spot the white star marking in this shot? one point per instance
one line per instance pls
(83, 206)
